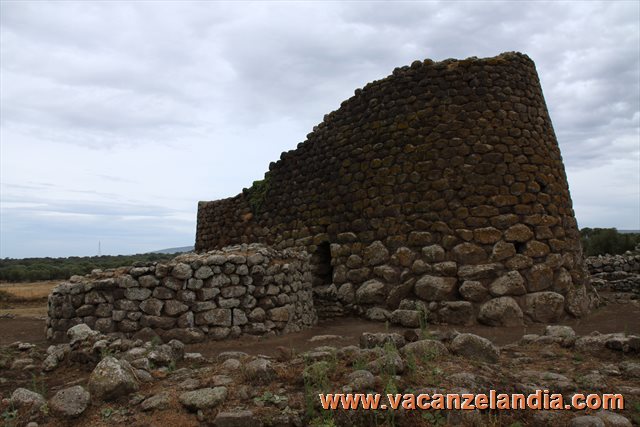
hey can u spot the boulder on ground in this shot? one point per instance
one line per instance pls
(475, 347)
(111, 379)
(544, 306)
(379, 339)
(203, 398)
(158, 402)
(80, 332)
(259, 370)
(424, 348)
(70, 402)
(23, 398)
(361, 380)
(503, 311)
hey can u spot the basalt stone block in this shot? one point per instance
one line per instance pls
(105, 325)
(203, 272)
(511, 283)
(182, 271)
(433, 253)
(518, 233)
(160, 322)
(474, 291)
(371, 292)
(148, 281)
(469, 253)
(375, 254)
(152, 306)
(137, 294)
(104, 310)
(279, 314)
(540, 277)
(482, 271)
(216, 317)
(408, 318)
(434, 288)
(456, 313)
(502, 311)
(545, 307)
(163, 293)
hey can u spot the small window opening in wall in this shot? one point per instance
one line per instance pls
(321, 265)
(520, 247)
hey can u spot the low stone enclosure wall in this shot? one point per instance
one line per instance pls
(244, 289)
(609, 263)
(616, 273)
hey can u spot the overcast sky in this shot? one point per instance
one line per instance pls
(117, 117)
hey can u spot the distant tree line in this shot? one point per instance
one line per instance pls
(601, 241)
(33, 269)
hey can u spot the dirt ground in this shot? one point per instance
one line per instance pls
(23, 321)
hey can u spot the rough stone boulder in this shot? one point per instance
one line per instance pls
(435, 288)
(407, 318)
(511, 283)
(371, 292)
(111, 379)
(70, 402)
(424, 349)
(474, 347)
(472, 290)
(503, 311)
(79, 333)
(361, 380)
(559, 331)
(158, 402)
(544, 306)
(259, 371)
(203, 398)
(23, 398)
(456, 313)
(379, 339)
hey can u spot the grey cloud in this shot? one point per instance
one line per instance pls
(232, 84)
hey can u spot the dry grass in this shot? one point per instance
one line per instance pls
(24, 292)
(25, 299)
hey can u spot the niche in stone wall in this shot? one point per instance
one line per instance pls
(321, 265)
(325, 296)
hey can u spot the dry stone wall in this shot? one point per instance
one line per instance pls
(438, 192)
(629, 263)
(619, 274)
(244, 289)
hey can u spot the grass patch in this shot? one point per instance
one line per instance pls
(26, 292)
(257, 194)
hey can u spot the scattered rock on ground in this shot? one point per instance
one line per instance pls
(203, 398)
(475, 347)
(111, 379)
(70, 402)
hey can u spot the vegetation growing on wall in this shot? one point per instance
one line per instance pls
(257, 194)
(601, 241)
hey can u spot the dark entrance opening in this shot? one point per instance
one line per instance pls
(321, 265)
(325, 294)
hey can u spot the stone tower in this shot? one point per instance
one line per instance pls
(438, 192)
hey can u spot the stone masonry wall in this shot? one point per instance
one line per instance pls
(610, 263)
(616, 273)
(246, 289)
(437, 192)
